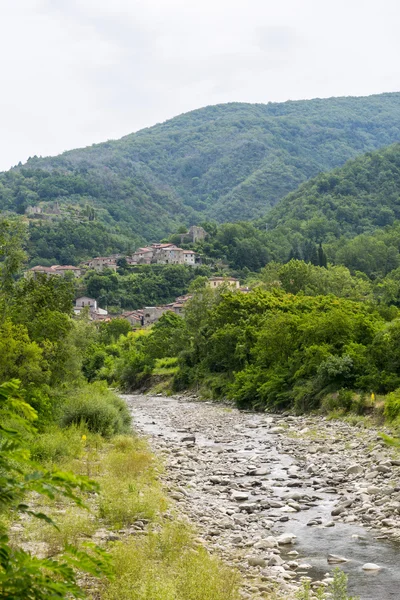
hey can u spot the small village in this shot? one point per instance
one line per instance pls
(155, 254)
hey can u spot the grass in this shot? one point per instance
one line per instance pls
(161, 562)
(74, 527)
(166, 366)
(168, 566)
(129, 484)
(58, 447)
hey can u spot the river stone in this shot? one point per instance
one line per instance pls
(354, 470)
(370, 567)
(277, 430)
(188, 438)
(275, 561)
(256, 561)
(383, 469)
(267, 543)
(239, 496)
(334, 559)
(286, 538)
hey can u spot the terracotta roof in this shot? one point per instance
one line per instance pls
(141, 250)
(66, 267)
(40, 268)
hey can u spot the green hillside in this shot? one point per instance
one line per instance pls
(356, 198)
(225, 163)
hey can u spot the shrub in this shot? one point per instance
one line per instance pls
(75, 527)
(56, 445)
(134, 369)
(21, 574)
(99, 409)
(392, 405)
(129, 488)
(166, 565)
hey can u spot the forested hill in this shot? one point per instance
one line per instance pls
(224, 162)
(356, 198)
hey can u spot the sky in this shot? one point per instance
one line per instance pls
(77, 72)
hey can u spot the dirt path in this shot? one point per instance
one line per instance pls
(275, 496)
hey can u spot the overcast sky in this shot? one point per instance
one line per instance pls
(75, 72)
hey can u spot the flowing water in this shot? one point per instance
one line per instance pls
(239, 436)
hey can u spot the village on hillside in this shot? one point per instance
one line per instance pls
(155, 254)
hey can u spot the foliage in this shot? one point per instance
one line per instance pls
(270, 349)
(353, 200)
(227, 162)
(66, 242)
(22, 575)
(166, 565)
(392, 405)
(130, 489)
(337, 590)
(97, 408)
(144, 285)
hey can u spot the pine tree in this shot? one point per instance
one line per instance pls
(322, 260)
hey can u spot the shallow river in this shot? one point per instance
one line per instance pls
(227, 442)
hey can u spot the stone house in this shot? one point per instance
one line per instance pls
(95, 313)
(216, 282)
(63, 269)
(135, 317)
(142, 256)
(102, 262)
(33, 210)
(189, 257)
(60, 270)
(168, 254)
(162, 254)
(195, 234)
(151, 314)
(84, 301)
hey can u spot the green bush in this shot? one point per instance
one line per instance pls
(392, 405)
(99, 409)
(56, 445)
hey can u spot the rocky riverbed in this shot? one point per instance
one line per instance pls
(282, 497)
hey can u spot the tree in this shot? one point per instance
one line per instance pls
(12, 256)
(23, 575)
(322, 260)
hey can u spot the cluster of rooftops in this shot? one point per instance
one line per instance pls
(162, 254)
(149, 314)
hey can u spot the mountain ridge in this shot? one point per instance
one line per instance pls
(227, 162)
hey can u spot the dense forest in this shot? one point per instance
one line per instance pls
(282, 346)
(357, 198)
(223, 163)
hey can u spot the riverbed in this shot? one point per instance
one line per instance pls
(261, 490)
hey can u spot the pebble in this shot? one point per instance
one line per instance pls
(243, 479)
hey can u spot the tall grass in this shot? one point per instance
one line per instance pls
(167, 566)
(129, 486)
(162, 562)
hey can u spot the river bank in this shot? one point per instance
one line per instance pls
(275, 496)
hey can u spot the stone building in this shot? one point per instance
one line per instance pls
(102, 262)
(60, 270)
(216, 282)
(195, 234)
